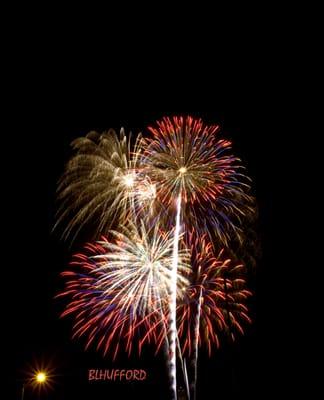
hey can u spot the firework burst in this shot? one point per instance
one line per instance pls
(103, 183)
(186, 155)
(121, 286)
(214, 303)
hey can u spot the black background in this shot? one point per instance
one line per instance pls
(54, 107)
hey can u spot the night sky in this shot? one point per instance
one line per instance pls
(39, 256)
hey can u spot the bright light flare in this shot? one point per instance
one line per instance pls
(41, 377)
(129, 180)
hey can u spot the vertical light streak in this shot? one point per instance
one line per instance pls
(173, 303)
(184, 369)
(196, 340)
(185, 374)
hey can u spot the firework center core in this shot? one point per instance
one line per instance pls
(129, 180)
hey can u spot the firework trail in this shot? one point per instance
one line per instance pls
(173, 302)
(121, 286)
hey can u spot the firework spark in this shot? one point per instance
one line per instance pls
(122, 287)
